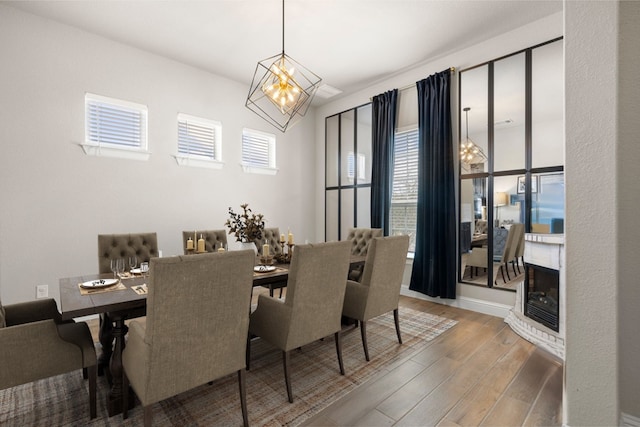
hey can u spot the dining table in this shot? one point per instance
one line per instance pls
(128, 300)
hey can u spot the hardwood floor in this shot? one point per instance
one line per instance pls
(479, 373)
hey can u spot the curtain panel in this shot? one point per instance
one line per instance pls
(434, 265)
(384, 108)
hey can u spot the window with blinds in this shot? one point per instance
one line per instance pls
(115, 123)
(199, 138)
(404, 198)
(258, 150)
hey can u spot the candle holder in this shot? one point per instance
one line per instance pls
(285, 257)
(266, 260)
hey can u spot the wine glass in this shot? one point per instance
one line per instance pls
(120, 266)
(114, 267)
(133, 262)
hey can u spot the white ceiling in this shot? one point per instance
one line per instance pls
(351, 44)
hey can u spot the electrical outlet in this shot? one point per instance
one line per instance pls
(42, 291)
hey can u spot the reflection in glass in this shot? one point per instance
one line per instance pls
(474, 231)
(509, 113)
(364, 207)
(547, 103)
(347, 155)
(474, 86)
(331, 229)
(364, 144)
(331, 163)
(547, 204)
(346, 212)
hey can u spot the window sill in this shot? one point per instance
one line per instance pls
(198, 163)
(121, 153)
(259, 170)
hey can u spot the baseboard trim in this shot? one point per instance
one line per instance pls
(473, 304)
(630, 420)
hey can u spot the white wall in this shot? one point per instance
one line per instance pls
(56, 200)
(537, 32)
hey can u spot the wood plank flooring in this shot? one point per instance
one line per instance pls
(479, 373)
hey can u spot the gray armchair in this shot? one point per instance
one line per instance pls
(360, 239)
(213, 239)
(379, 290)
(196, 327)
(36, 344)
(312, 308)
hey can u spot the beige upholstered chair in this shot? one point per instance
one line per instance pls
(379, 290)
(213, 240)
(110, 246)
(272, 237)
(37, 344)
(514, 243)
(360, 239)
(312, 308)
(196, 327)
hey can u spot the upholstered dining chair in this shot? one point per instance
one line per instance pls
(142, 245)
(312, 308)
(213, 239)
(196, 327)
(360, 239)
(272, 237)
(379, 290)
(37, 344)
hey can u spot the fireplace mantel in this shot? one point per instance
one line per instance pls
(545, 250)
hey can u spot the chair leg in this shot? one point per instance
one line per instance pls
(243, 397)
(506, 267)
(125, 395)
(280, 296)
(287, 380)
(247, 354)
(396, 319)
(148, 415)
(92, 372)
(363, 333)
(338, 337)
(502, 271)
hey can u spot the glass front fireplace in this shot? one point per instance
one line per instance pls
(543, 295)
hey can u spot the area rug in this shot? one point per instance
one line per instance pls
(63, 400)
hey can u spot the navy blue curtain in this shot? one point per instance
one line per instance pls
(384, 108)
(434, 265)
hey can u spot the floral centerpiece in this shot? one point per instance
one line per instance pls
(246, 226)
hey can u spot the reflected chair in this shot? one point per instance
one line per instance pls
(37, 344)
(213, 240)
(196, 328)
(379, 290)
(509, 253)
(519, 252)
(360, 239)
(312, 308)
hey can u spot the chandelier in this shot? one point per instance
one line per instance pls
(470, 153)
(282, 89)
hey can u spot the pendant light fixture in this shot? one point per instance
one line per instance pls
(470, 153)
(282, 89)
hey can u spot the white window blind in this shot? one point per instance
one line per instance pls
(404, 198)
(258, 149)
(405, 167)
(115, 123)
(351, 165)
(199, 138)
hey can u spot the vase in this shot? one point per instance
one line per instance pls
(249, 245)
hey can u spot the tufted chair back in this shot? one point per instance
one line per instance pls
(213, 239)
(272, 237)
(360, 239)
(110, 246)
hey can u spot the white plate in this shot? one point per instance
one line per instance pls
(100, 283)
(136, 271)
(263, 268)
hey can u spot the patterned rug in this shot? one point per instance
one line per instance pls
(316, 382)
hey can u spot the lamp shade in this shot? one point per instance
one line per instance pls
(501, 199)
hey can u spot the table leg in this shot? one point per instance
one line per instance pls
(106, 341)
(114, 398)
